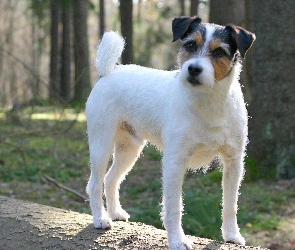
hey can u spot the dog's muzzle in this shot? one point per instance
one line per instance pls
(194, 71)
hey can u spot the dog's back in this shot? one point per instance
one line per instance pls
(110, 100)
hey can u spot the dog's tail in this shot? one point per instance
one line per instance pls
(109, 50)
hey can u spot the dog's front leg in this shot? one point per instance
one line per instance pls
(173, 174)
(232, 176)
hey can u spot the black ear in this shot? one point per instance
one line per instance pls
(244, 38)
(181, 26)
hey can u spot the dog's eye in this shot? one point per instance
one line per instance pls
(219, 52)
(190, 46)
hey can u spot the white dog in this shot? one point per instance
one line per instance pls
(192, 115)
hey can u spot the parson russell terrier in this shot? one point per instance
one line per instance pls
(191, 115)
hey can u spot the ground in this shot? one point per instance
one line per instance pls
(52, 141)
(31, 226)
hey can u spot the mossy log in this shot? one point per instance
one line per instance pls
(26, 225)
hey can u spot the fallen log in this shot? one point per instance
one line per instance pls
(26, 225)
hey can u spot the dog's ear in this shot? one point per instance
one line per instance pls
(243, 38)
(181, 26)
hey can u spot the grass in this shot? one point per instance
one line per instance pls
(52, 141)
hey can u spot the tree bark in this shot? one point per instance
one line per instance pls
(101, 17)
(227, 11)
(65, 87)
(194, 7)
(28, 226)
(82, 65)
(181, 7)
(54, 52)
(272, 128)
(126, 10)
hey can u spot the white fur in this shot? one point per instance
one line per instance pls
(190, 124)
(115, 44)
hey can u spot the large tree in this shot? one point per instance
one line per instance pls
(82, 65)
(227, 11)
(272, 127)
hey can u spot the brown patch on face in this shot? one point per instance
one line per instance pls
(214, 44)
(221, 65)
(185, 55)
(199, 39)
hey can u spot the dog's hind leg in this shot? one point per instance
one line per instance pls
(232, 177)
(100, 146)
(127, 150)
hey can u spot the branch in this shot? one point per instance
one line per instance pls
(58, 184)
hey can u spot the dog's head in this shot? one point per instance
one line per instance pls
(207, 51)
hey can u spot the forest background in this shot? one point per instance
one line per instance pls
(47, 51)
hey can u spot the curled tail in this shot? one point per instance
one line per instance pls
(109, 50)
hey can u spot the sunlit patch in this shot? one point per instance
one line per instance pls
(62, 116)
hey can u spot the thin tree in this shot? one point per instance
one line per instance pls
(126, 10)
(65, 86)
(272, 127)
(82, 65)
(54, 51)
(101, 17)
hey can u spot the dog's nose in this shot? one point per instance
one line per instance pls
(194, 69)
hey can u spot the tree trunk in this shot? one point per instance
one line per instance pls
(30, 226)
(101, 18)
(54, 52)
(227, 11)
(181, 7)
(272, 128)
(126, 10)
(65, 87)
(82, 66)
(194, 7)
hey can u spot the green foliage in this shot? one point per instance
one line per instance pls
(202, 215)
(215, 176)
(253, 172)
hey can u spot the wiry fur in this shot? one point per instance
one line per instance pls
(190, 124)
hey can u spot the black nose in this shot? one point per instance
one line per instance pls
(194, 69)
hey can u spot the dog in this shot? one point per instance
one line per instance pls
(191, 115)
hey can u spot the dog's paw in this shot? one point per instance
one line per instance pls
(119, 214)
(235, 239)
(103, 223)
(183, 244)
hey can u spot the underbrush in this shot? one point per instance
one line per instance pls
(53, 142)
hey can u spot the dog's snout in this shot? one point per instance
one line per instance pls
(194, 69)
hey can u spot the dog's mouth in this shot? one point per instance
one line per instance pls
(193, 81)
